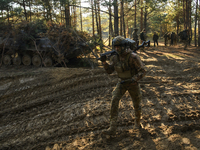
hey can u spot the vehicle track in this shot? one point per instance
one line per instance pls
(49, 108)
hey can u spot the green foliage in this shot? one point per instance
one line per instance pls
(161, 14)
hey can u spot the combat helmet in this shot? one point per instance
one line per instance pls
(118, 41)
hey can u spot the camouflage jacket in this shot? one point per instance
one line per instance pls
(128, 62)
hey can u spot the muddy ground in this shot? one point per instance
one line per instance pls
(67, 108)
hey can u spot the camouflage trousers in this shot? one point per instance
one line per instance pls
(185, 42)
(118, 92)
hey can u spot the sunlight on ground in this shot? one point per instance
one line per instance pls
(168, 55)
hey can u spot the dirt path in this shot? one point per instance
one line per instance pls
(67, 108)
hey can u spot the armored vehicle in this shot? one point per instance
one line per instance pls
(49, 48)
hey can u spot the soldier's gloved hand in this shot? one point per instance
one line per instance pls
(103, 58)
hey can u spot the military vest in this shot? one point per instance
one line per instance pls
(123, 70)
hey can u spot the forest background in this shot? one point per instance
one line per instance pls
(106, 19)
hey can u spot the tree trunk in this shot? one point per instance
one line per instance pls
(74, 16)
(30, 8)
(124, 28)
(67, 15)
(187, 14)
(24, 6)
(199, 27)
(141, 19)
(100, 33)
(127, 28)
(60, 14)
(121, 19)
(177, 19)
(195, 27)
(190, 21)
(145, 17)
(184, 13)
(135, 13)
(8, 15)
(116, 21)
(92, 17)
(110, 24)
(96, 16)
(81, 21)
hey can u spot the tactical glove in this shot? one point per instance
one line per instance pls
(103, 58)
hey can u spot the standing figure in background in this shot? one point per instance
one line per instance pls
(143, 37)
(173, 36)
(135, 36)
(167, 38)
(155, 38)
(184, 37)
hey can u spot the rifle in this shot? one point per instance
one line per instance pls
(128, 43)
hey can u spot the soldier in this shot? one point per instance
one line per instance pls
(184, 37)
(143, 37)
(172, 38)
(130, 69)
(166, 37)
(155, 38)
(135, 36)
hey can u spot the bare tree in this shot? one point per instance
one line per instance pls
(67, 15)
(24, 6)
(116, 18)
(195, 27)
(141, 19)
(184, 13)
(177, 19)
(199, 27)
(110, 23)
(96, 16)
(135, 13)
(92, 17)
(81, 21)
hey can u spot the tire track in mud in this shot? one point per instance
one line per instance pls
(77, 106)
(90, 83)
(52, 90)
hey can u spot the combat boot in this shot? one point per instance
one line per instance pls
(137, 120)
(137, 124)
(111, 130)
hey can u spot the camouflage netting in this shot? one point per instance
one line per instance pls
(66, 41)
(65, 38)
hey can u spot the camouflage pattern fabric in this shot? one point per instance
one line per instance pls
(186, 42)
(135, 36)
(119, 91)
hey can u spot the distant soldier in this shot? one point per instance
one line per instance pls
(173, 36)
(135, 36)
(184, 37)
(166, 37)
(143, 37)
(155, 38)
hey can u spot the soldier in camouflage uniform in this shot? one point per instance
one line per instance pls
(130, 69)
(184, 37)
(143, 37)
(135, 36)
(155, 39)
(166, 37)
